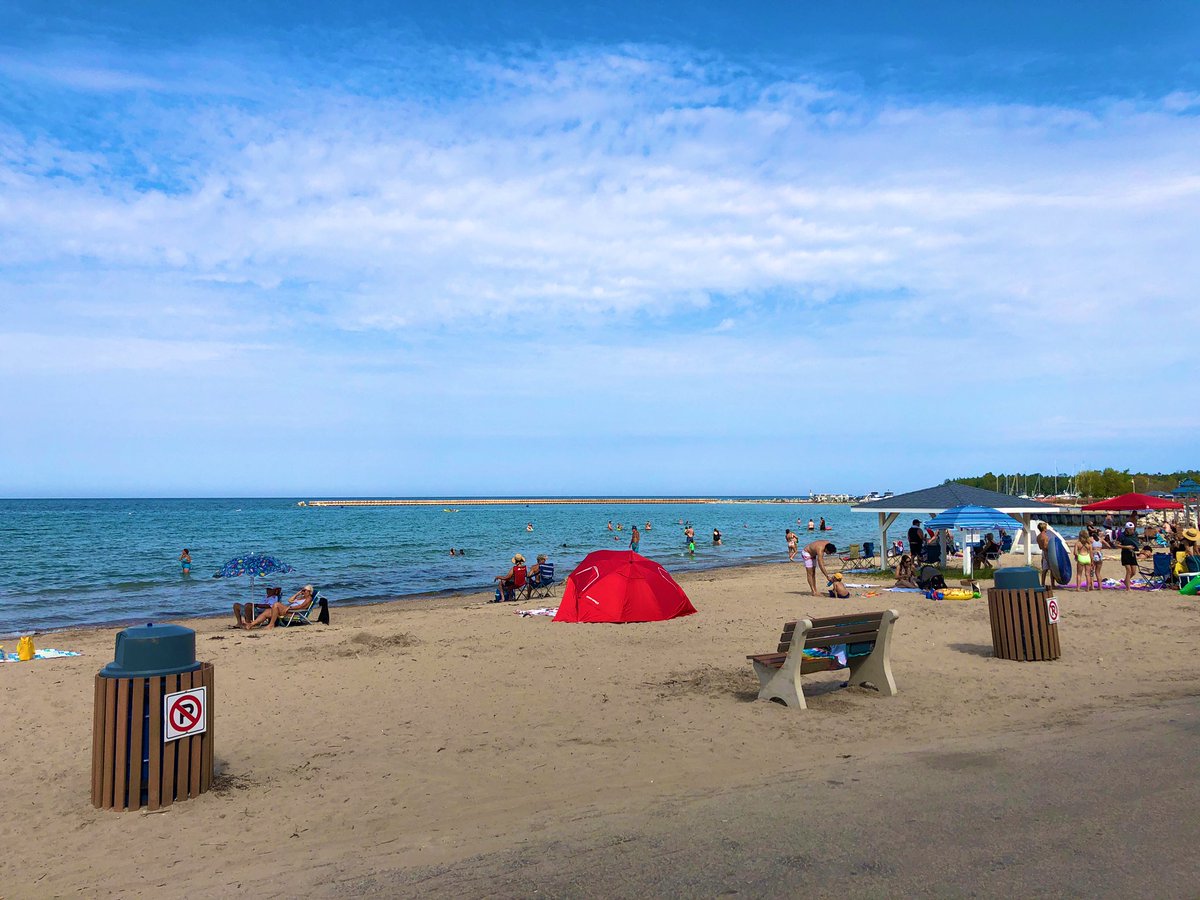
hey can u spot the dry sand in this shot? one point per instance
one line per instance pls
(422, 733)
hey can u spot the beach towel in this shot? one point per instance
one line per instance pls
(896, 590)
(544, 611)
(45, 653)
(835, 651)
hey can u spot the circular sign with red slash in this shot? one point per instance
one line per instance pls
(185, 713)
(1052, 610)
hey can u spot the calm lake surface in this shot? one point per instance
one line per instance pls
(74, 562)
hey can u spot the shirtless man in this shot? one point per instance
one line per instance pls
(1043, 542)
(814, 557)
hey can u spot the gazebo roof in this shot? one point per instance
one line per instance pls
(1187, 486)
(953, 493)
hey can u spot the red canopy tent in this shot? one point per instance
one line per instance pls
(621, 586)
(1132, 503)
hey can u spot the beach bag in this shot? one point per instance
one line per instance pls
(323, 616)
(25, 649)
(930, 579)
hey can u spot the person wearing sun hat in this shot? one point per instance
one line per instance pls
(512, 580)
(837, 587)
(1185, 546)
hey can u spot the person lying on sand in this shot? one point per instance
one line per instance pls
(302, 599)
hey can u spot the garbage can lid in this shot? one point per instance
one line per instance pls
(144, 651)
(1016, 578)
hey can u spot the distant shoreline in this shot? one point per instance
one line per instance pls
(559, 501)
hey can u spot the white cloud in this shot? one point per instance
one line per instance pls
(762, 235)
(613, 182)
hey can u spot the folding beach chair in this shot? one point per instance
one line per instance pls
(869, 556)
(853, 559)
(543, 585)
(300, 615)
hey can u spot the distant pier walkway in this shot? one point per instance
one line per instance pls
(541, 501)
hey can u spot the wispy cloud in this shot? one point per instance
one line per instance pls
(611, 182)
(590, 192)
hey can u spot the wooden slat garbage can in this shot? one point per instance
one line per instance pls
(1024, 623)
(152, 734)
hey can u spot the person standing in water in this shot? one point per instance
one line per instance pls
(635, 539)
(716, 536)
(185, 563)
(689, 535)
(824, 527)
(812, 526)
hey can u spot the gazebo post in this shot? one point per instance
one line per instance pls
(885, 519)
(1027, 523)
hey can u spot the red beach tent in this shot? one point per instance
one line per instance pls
(1131, 503)
(621, 586)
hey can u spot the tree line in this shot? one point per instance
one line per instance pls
(1088, 483)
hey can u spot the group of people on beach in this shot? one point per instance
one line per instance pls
(510, 584)
(1179, 541)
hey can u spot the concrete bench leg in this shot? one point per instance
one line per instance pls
(876, 668)
(782, 684)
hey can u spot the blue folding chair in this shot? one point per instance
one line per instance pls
(543, 585)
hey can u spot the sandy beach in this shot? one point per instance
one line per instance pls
(410, 740)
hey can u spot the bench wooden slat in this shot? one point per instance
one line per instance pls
(853, 628)
(827, 621)
(843, 632)
(808, 665)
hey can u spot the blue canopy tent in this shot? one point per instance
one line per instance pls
(972, 519)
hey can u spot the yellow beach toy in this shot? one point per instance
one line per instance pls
(957, 594)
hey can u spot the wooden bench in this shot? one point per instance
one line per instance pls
(867, 642)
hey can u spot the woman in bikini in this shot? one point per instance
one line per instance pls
(906, 576)
(1083, 559)
(302, 599)
(1097, 556)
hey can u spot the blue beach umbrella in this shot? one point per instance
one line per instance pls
(975, 519)
(256, 565)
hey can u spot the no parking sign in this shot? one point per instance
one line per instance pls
(1052, 610)
(185, 713)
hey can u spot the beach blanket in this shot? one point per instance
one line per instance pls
(46, 653)
(896, 590)
(848, 584)
(544, 611)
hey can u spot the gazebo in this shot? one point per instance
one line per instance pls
(952, 493)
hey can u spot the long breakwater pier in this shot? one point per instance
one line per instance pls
(541, 501)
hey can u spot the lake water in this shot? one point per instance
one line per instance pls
(73, 562)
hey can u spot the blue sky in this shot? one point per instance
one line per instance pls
(506, 248)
